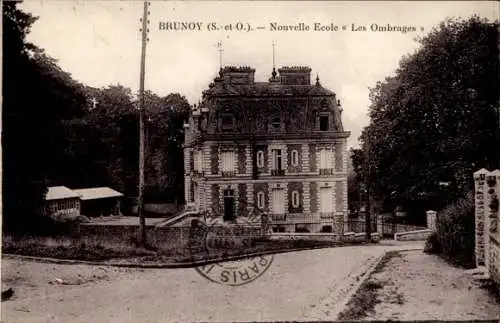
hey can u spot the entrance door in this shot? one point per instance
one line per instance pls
(278, 200)
(228, 204)
(326, 202)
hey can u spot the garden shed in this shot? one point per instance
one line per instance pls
(60, 201)
(99, 201)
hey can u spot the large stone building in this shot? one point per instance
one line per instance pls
(278, 147)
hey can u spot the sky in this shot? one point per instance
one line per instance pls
(99, 42)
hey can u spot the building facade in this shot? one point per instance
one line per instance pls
(61, 202)
(276, 148)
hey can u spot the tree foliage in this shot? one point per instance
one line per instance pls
(355, 185)
(57, 131)
(37, 97)
(436, 119)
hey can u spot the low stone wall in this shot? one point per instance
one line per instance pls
(412, 235)
(346, 237)
(305, 236)
(164, 237)
(360, 237)
(494, 269)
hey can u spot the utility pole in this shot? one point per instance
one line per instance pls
(140, 198)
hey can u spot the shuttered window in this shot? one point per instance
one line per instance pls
(295, 158)
(295, 199)
(326, 158)
(198, 161)
(228, 161)
(260, 200)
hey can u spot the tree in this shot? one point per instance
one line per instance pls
(436, 119)
(355, 178)
(37, 97)
(164, 155)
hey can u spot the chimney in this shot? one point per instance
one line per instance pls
(238, 75)
(295, 75)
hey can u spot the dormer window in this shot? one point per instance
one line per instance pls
(323, 123)
(227, 122)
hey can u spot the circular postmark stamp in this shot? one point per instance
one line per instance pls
(231, 251)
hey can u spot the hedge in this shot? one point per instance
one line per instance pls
(455, 233)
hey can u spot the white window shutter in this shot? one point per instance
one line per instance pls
(329, 159)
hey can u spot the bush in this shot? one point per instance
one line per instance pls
(455, 227)
(432, 244)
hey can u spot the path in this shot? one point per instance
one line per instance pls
(298, 286)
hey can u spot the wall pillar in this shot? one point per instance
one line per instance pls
(380, 227)
(431, 220)
(248, 160)
(480, 225)
(250, 199)
(307, 198)
(492, 234)
(305, 158)
(206, 160)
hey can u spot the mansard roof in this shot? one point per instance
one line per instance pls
(262, 89)
(239, 81)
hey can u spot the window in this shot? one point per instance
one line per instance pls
(277, 164)
(260, 200)
(295, 158)
(260, 159)
(191, 192)
(197, 161)
(301, 228)
(277, 159)
(326, 156)
(228, 162)
(295, 199)
(327, 228)
(227, 122)
(323, 123)
(276, 123)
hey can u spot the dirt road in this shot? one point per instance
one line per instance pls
(303, 285)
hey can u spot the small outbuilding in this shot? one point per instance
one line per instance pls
(60, 201)
(99, 201)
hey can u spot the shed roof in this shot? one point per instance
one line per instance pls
(97, 193)
(60, 192)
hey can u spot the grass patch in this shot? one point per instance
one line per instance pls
(70, 248)
(385, 259)
(101, 249)
(364, 300)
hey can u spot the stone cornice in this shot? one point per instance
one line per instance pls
(273, 136)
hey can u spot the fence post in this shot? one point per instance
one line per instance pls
(431, 220)
(380, 225)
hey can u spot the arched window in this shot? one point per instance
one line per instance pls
(260, 200)
(260, 158)
(295, 158)
(295, 199)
